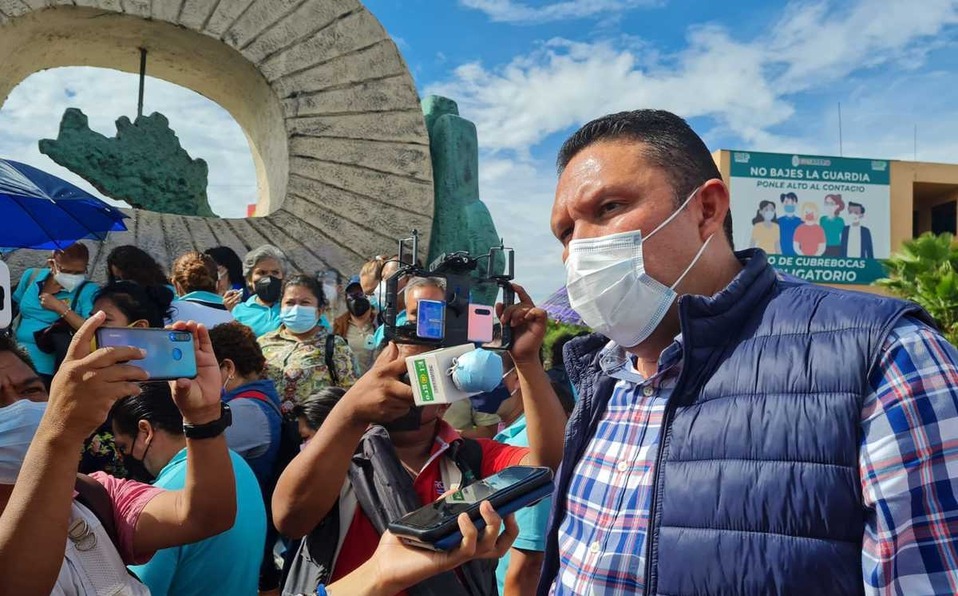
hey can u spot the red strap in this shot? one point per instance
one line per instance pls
(252, 394)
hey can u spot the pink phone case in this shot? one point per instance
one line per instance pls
(481, 321)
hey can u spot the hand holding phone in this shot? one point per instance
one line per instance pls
(169, 353)
(89, 383)
(435, 526)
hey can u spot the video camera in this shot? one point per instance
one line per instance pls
(467, 314)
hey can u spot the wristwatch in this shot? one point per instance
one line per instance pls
(210, 429)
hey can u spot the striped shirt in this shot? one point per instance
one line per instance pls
(908, 460)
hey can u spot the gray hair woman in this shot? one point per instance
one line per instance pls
(265, 268)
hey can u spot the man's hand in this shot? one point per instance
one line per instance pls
(49, 302)
(379, 396)
(199, 399)
(90, 382)
(528, 324)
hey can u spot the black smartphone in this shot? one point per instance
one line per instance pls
(435, 526)
(169, 354)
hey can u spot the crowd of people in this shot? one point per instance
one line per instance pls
(727, 429)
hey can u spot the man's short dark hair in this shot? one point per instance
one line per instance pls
(854, 204)
(9, 344)
(670, 144)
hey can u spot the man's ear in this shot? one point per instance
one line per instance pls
(714, 206)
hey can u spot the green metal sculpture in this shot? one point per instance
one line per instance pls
(143, 165)
(462, 221)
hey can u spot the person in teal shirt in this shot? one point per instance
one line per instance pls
(265, 268)
(519, 568)
(49, 294)
(149, 432)
(833, 225)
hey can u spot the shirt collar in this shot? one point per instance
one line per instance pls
(616, 362)
(203, 296)
(518, 425)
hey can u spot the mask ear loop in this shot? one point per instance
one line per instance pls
(675, 213)
(692, 264)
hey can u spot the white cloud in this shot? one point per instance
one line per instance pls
(745, 86)
(32, 112)
(750, 90)
(509, 11)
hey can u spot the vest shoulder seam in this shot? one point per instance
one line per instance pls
(760, 460)
(807, 333)
(774, 534)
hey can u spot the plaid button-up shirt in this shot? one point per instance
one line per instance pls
(908, 461)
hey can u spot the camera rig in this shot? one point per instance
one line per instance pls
(466, 283)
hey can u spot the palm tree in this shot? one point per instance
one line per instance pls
(926, 271)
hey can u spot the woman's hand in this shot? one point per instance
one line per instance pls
(231, 298)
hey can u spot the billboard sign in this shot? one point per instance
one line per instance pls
(824, 219)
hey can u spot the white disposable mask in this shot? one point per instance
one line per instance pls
(69, 281)
(610, 289)
(18, 424)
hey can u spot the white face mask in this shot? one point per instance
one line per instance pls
(18, 424)
(69, 281)
(610, 289)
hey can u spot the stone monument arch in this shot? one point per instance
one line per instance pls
(331, 112)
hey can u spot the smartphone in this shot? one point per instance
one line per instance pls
(435, 526)
(431, 319)
(481, 321)
(169, 354)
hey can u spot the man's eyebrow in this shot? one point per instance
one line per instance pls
(31, 381)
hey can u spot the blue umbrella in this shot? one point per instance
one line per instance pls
(557, 305)
(38, 210)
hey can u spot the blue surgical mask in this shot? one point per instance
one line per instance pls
(477, 371)
(789, 208)
(18, 424)
(299, 318)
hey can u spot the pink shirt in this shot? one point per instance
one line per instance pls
(129, 499)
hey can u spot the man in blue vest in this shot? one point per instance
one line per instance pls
(737, 431)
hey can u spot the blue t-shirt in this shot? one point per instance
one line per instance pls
(533, 521)
(227, 563)
(787, 224)
(258, 317)
(34, 317)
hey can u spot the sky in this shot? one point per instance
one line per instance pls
(752, 74)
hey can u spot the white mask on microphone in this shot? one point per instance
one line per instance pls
(610, 289)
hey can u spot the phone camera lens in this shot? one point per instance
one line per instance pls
(172, 336)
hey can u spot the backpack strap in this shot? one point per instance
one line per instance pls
(92, 495)
(330, 347)
(257, 395)
(76, 295)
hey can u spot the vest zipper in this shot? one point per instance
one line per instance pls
(670, 408)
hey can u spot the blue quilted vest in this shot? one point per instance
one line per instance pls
(757, 488)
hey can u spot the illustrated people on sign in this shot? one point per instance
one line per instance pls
(833, 225)
(809, 239)
(789, 222)
(856, 240)
(765, 231)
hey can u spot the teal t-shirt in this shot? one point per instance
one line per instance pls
(380, 335)
(533, 521)
(227, 563)
(833, 227)
(261, 319)
(34, 317)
